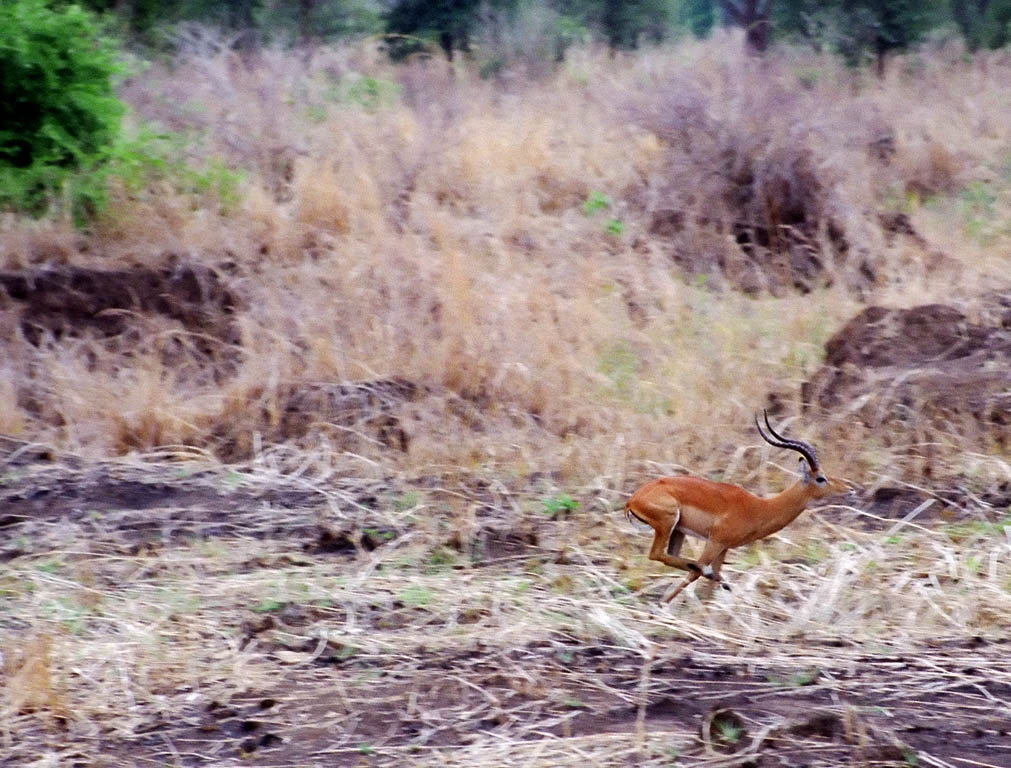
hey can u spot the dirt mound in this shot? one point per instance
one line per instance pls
(348, 415)
(125, 311)
(751, 192)
(930, 365)
(71, 301)
(369, 404)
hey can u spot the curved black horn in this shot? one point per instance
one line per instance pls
(804, 449)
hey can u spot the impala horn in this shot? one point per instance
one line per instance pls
(804, 449)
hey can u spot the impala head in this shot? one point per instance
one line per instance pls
(818, 482)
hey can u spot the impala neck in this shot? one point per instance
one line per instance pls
(783, 508)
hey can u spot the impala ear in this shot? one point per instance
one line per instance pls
(805, 470)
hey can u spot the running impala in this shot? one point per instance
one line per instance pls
(726, 516)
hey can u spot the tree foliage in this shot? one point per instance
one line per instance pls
(861, 29)
(624, 24)
(983, 23)
(697, 16)
(249, 20)
(58, 109)
(450, 23)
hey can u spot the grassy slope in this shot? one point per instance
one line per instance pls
(437, 231)
(414, 223)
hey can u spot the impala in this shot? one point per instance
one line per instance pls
(726, 516)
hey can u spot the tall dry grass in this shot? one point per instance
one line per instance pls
(417, 221)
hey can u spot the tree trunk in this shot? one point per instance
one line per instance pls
(446, 43)
(880, 52)
(753, 16)
(305, 8)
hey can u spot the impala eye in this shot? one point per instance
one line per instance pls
(821, 479)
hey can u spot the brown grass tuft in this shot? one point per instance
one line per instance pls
(28, 680)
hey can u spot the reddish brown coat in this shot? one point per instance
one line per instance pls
(725, 515)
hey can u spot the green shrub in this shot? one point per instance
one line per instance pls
(59, 115)
(154, 160)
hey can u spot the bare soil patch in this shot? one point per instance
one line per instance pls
(125, 509)
(944, 702)
(74, 301)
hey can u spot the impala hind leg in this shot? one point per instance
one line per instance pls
(667, 543)
(712, 554)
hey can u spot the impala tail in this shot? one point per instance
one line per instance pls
(629, 514)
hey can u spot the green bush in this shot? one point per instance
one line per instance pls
(59, 115)
(148, 162)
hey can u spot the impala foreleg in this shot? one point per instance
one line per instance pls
(677, 538)
(716, 565)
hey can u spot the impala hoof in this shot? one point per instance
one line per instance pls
(725, 585)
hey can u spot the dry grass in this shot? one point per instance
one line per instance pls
(424, 224)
